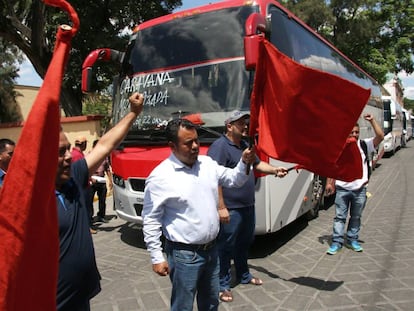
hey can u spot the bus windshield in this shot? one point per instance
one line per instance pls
(193, 64)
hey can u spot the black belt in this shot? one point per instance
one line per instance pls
(340, 188)
(193, 247)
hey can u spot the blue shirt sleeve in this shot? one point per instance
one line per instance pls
(80, 173)
(218, 152)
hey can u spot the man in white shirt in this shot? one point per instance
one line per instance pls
(352, 196)
(180, 202)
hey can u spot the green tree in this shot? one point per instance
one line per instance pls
(409, 104)
(357, 32)
(10, 57)
(399, 32)
(377, 35)
(31, 26)
(314, 13)
(99, 104)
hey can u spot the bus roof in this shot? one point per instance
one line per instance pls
(235, 3)
(194, 11)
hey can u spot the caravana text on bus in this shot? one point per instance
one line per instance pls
(201, 61)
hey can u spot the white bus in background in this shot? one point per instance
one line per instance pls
(407, 126)
(412, 125)
(393, 125)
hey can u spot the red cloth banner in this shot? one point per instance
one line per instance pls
(304, 116)
(29, 248)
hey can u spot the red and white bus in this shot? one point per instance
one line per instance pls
(202, 61)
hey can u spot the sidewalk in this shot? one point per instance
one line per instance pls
(297, 273)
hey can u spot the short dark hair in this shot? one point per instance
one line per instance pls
(4, 142)
(174, 125)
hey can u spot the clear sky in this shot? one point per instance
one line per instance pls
(188, 4)
(29, 77)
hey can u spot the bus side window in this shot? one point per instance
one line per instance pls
(278, 35)
(291, 39)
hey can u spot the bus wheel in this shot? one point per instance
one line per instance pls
(317, 197)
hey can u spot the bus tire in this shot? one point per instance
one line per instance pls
(313, 213)
(317, 197)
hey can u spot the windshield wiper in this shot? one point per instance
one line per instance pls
(209, 130)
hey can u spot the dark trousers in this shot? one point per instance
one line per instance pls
(100, 190)
(234, 240)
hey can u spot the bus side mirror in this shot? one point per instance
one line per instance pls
(91, 59)
(86, 79)
(255, 23)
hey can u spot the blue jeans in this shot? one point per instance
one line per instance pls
(345, 200)
(234, 240)
(193, 273)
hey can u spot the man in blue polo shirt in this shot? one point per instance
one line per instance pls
(237, 233)
(79, 279)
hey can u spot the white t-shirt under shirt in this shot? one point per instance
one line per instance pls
(358, 183)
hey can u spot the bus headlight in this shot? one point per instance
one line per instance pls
(118, 180)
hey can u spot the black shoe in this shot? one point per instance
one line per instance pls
(101, 219)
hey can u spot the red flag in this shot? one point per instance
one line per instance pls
(304, 116)
(29, 249)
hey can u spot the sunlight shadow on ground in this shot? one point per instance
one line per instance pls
(303, 280)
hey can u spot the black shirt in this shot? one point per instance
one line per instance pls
(79, 279)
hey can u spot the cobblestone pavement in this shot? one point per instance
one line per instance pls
(297, 273)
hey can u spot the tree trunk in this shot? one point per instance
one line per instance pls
(70, 102)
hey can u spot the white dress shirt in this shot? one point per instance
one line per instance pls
(181, 201)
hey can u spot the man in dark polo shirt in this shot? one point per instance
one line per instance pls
(237, 231)
(79, 279)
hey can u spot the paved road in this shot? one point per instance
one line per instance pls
(298, 275)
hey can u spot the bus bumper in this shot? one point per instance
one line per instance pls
(128, 204)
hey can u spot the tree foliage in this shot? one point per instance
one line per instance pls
(10, 57)
(377, 35)
(314, 13)
(99, 104)
(31, 26)
(409, 104)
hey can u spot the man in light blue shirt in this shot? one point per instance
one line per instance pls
(180, 201)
